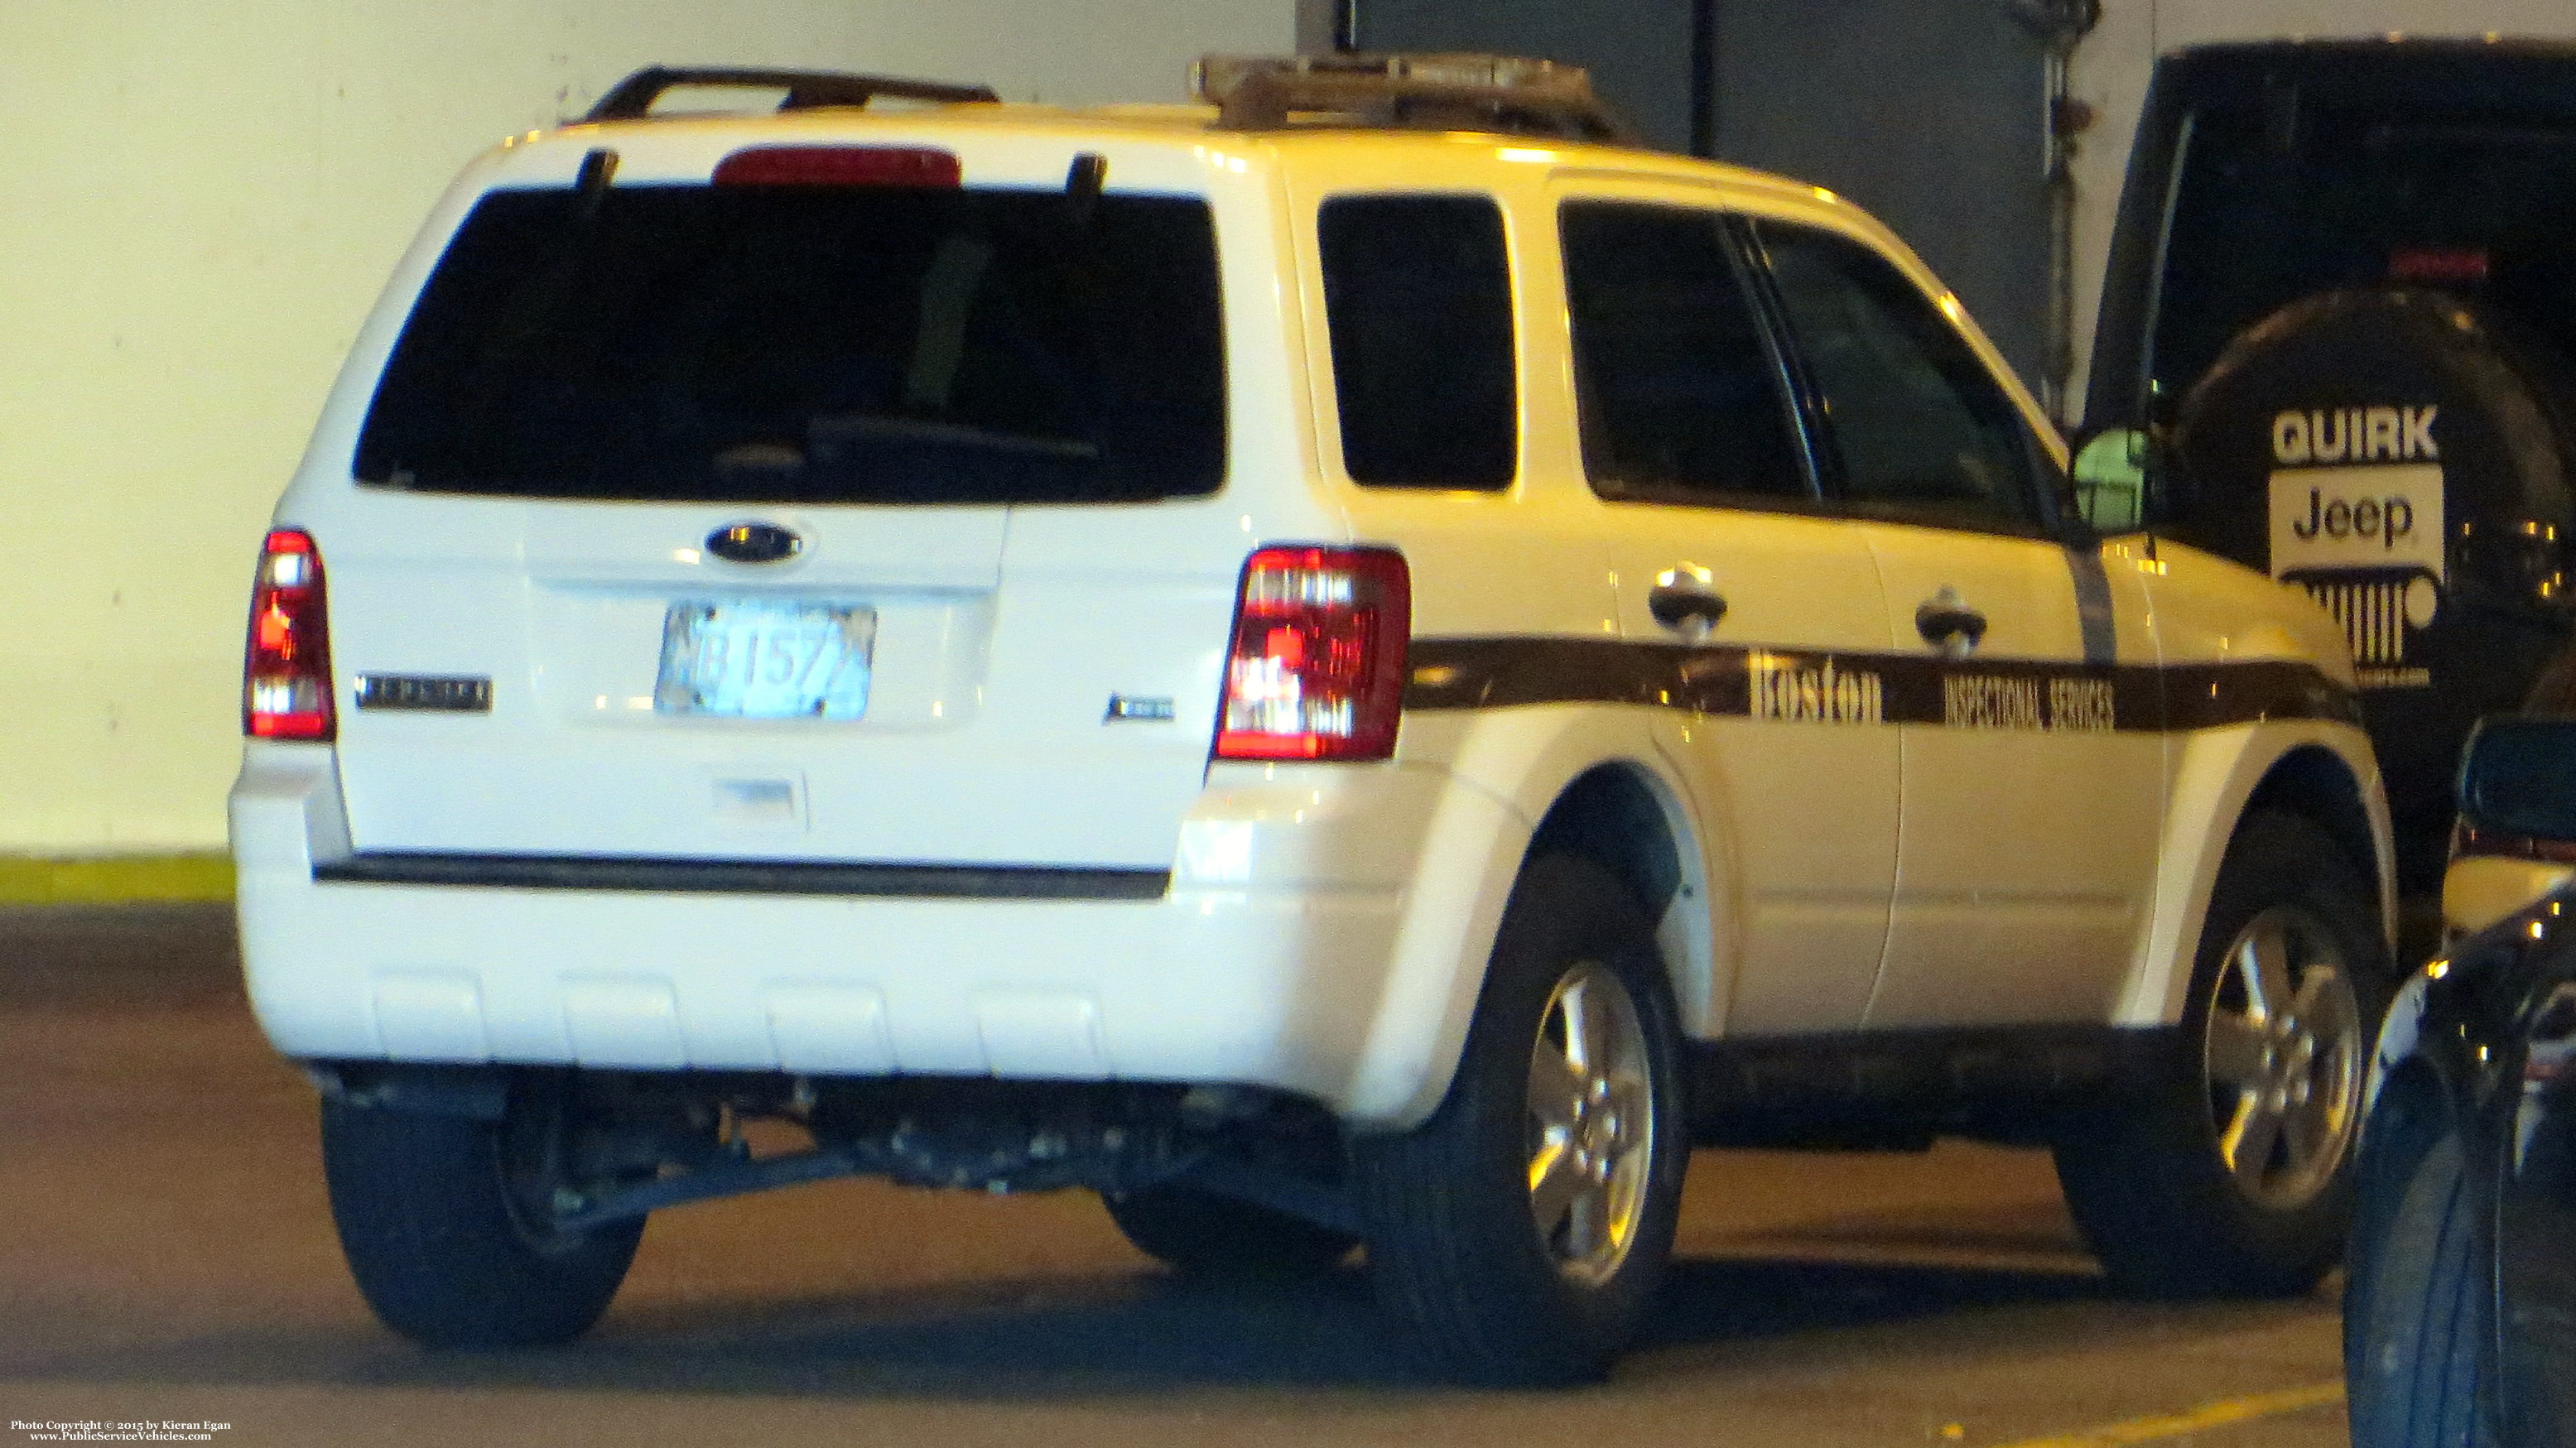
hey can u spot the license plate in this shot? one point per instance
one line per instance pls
(765, 659)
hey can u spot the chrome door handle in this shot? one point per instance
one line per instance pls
(1948, 624)
(1683, 601)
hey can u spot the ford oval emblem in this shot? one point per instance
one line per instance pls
(754, 543)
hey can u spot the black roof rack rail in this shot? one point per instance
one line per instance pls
(1499, 93)
(633, 98)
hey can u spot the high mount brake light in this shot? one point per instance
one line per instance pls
(2458, 265)
(1316, 669)
(286, 671)
(838, 166)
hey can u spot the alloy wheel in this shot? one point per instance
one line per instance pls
(1591, 1124)
(2284, 1058)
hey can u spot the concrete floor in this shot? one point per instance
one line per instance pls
(165, 1253)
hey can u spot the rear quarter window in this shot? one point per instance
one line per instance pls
(1418, 296)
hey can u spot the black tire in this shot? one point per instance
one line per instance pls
(2419, 1339)
(2409, 1117)
(1456, 1245)
(2181, 1191)
(1204, 1234)
(436, 1218)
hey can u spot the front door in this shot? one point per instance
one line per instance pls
(2032, 766)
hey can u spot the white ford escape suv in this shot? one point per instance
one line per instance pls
(1356, 665)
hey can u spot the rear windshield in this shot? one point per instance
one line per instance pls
(2264, 218)
(830, 344)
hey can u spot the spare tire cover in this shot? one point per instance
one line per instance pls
(2400, 453)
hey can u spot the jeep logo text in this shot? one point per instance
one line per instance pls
(2386, 516)
(2387, 519)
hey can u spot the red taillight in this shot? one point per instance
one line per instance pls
(1317, 666)
(838, 166)
(286, 674)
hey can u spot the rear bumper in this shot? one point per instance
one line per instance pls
(1292, 950)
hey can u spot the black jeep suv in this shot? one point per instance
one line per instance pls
(2335, 345)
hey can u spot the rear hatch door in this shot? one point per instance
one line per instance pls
(716, 484)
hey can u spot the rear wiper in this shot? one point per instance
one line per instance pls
(950, 434)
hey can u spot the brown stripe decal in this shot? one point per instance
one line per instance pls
(2207, 696)
(1867, 688)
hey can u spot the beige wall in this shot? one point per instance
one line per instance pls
(2110, 71)
(198, 199)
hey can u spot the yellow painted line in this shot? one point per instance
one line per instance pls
(114, 879)
(2209, 1415)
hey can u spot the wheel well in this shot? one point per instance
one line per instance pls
(1620, 818)
(2313, 782)
(1612, 817)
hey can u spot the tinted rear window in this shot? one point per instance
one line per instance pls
(1418, 294)
(862, 344)
(2268, 213)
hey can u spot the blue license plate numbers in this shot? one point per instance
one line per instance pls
(766, 659)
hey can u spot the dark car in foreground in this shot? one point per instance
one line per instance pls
(2460, 1309)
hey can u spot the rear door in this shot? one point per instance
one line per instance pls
(1764, 612)
(2032, 761)
(961, 442)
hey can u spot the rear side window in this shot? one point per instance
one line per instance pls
(1418, 296)
(1680, 398)
(865, 344)
(1916, 422)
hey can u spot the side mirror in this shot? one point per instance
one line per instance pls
(2111, 480)
(2518, 778)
